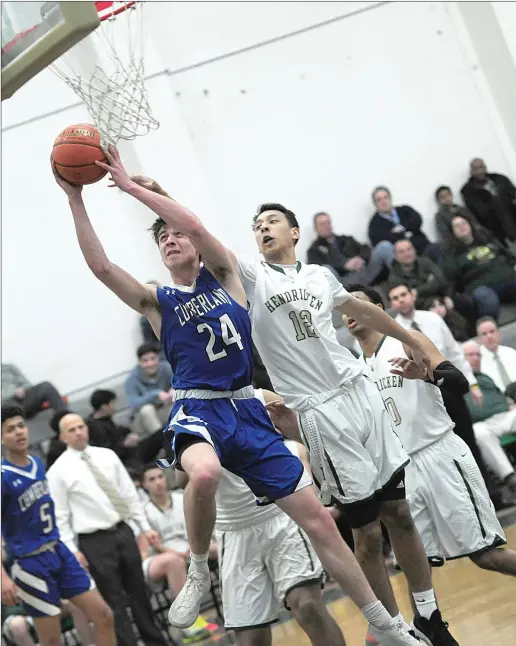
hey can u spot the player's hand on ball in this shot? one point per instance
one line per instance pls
(406, 368)
(119, 176)
(69, 189)
(9, 592)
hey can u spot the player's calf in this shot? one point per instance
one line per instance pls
(312, 615)
(500, 560)
(100, 614)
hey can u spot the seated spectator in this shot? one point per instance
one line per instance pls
(104, 431)
(447, 211)
(393, 223)
(491, 421)
(17, 389)
(424, 277)
(491, 198)
(167, 560)
(498, 361)
(350, 261)
(481, 267)
(148, 389)
(458, 325)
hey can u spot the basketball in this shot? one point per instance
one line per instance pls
(74, 154)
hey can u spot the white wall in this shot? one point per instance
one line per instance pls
(358, 94)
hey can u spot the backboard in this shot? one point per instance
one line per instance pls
(35, 34)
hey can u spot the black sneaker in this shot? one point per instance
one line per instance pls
(434, 631)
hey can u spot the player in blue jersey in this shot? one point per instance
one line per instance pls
(204, 328)
(43, 571)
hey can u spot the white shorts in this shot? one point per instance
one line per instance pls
(449, 501)
(155, 586)
(259, 566)
(358, 445)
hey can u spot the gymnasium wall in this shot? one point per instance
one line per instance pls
(311, 104)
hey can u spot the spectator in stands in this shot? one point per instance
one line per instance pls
(498, 361)
(422, 275)
(458, 325)
(350, 261)
(104, 431)
(491, 198)
(17, 389)
(393, 223)
(94, 497)
(148, 389)
(491, 421)
(167, 560)
(481, 267)
(447, 211)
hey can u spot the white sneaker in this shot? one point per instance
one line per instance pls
(184, 611)
(395, 635)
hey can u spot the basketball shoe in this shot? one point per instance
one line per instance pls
(395, 635)
(185, 609)
(371, 641)
(433, 631)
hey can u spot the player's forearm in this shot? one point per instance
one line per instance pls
(90, 245)
(174, 214)
(374, 317)
(446, 375)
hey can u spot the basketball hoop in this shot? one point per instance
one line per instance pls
(106, 71)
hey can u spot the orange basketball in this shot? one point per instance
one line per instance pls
(74, 154)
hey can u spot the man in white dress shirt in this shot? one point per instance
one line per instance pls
(498, 361)
(432, 326)
(94, 496)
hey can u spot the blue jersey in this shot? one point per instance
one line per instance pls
(206, 336)
(28, 518)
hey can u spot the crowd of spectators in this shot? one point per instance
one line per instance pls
(465, 275)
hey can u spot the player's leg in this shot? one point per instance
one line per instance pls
(16, 629)
(169, 566)
(297, 573)
(407, 544)
(311, 613)
(250, 605)
(501, 560)
(76, 586)
(80, 622)
(49, 630)
(254, 636)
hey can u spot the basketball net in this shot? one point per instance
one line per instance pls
(106, 71)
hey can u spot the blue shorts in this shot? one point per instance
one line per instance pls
(241, 432)
(46, 578)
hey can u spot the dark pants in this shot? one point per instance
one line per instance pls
(116, 567)
(487, 299)
(34, 397)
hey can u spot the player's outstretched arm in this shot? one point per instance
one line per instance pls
(213, 252)
(141, 298)
(373, 316)
(445, 374)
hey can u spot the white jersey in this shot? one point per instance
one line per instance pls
(169, 523)
(416, 406)
(236, 503)
(291, 315)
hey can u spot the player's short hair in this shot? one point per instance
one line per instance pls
(377, 189)
(155, 229)
(275, 206)
(145, 348)
(56, 418)
(12, 410)
(486, 319)
(440, 189)
(372, 294)
(100, 397)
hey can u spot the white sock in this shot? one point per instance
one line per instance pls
(425, 602)
(377, 615)
(401, 620)
(198, 562)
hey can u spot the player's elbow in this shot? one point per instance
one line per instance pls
(101, 269)
(193, 228)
